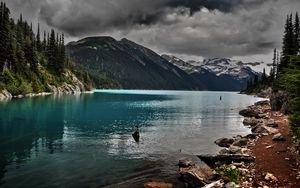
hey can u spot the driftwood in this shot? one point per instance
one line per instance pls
(211, 160)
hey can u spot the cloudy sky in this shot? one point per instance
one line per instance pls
(191, 29)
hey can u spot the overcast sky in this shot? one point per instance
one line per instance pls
(248, 30)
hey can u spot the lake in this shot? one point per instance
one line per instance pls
(85, 140)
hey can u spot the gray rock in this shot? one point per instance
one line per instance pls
(224, 142)
(5, 95)
(251, 121)
(271, 123)
(260, 130)
(279, 137)
(240, 142)
(265, 102)
(224, 151)
(196, 176)
(248, 112)
(251, 136)
(262, 116)
(231, 185)
(235, 150)
(185, 163)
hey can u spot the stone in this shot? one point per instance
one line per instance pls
(231, 185)
(271, 123)
(260, 129)
(216, 184)
(262, 116)
(196, 176)
(235, 150)
(224, 151)
(251, 121)
(5, 95)
(224, 142)
(270, 177)
(260, 103)
(240, 142)
(279, 137)
(158, 185)
(185, 163)
(248, 112)
(251, 136)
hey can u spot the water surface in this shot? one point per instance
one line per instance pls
(85, 140)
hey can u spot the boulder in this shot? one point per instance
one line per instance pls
(231, 185)
(279, 102)
(240, 142)
(185, 163)
(211, 160)
(251, 136)
(235, 150)
(271, 123)
(224, 151)
(248, 112)
(224, 142)
(251, 121)
(279, 137)
(5, 95)
(260, 130)
(196, 176)
(264, 102)
(262, 116)
(270, 177)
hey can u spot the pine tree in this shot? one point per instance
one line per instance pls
(4, 37)
(51, 52)
(288, 47)
(38, 39)
(297, 33)
(44, 42)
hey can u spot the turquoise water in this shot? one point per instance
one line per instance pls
(85, 140)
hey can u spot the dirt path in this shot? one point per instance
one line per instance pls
(278, 159)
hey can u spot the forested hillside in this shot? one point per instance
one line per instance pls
(284, 78)
(33, 63)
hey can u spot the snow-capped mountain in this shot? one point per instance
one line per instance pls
(223, 66)
(217, 73)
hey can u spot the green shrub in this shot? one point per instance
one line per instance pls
(230, 173)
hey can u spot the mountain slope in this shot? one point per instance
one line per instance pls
(218, 74)
(132, 65)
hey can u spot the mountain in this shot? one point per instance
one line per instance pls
(131, 65)
(218, 74)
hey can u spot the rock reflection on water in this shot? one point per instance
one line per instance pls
(85, 140)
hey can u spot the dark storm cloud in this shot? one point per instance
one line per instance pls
(190, 27)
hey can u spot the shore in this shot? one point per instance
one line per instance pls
(6, 96)
(266, 158)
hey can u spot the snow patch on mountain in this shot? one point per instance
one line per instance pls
(218, 66)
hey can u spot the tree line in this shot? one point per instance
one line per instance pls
(281, 60)
(28, 61)
(285, 71)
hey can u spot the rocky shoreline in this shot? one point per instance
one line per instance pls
(246, 161)
(66, 88)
